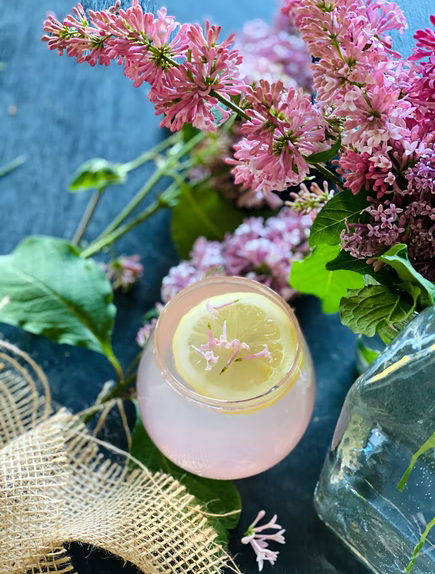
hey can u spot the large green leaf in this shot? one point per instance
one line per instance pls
(219, 496)
(397, 258)
(331, 219)
(201, 211)
(311, 276)
(52, 291)
(367, 310)
(345, 261)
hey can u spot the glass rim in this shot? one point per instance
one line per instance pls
(182, 387)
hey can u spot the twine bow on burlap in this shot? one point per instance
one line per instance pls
(57, 486)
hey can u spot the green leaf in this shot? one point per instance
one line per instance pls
(428, 445)
(311, 276)
(204, 212)
(331, 219)
(346, 262)
(218, 496)
(97, 173)
(52, 291)
(327, 155)
(365, 355)
(367, 310)
(397, 258)
(419, 546)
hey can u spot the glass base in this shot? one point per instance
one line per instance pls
(364, 507)
(388, 415)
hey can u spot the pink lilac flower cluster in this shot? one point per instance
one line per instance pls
(213, 345)
(384, 107)
(274, 53)
(381, 106)
(262, 250)
(259, 541)
(188, 70)
(270, 52)
(283, 128)
(190, 74)
(309, 201)
(124, 272)
(258, 249)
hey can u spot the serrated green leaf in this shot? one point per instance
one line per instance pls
(219, 496)
(97, 173)
(327, 155)
(52, 291)
(311, 276)
(331, 219)
(397, 258)
(346, 262)
(367, 310)
(202, 212)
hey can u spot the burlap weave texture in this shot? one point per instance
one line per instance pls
(58, 485)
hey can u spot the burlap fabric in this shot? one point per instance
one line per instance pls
(57, 485)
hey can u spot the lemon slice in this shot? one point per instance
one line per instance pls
(231, 375)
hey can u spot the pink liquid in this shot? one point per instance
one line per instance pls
(212, 438)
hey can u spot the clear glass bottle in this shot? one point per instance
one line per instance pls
(388, 415)
(218, 438)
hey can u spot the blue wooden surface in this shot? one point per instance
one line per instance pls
(67, 113)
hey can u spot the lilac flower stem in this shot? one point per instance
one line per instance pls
(110, 238)
(87, 216)
(11, 166)
(169, 163)
(230, 104)
(328, 174)
(152, 153)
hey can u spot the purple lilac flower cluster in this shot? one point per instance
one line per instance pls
(274, 53)
(407, 215)
(259, 249)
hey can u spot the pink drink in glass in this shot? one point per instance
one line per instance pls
(217, 438)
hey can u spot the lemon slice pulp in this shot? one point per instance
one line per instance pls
(248, 318)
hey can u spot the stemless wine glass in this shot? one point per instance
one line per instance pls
(218, 438)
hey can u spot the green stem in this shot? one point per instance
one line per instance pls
(120, 388)
(133, 364)
(131, 206)
(152, 153)
(230, 104)
(109, 238)
(169, 163)
(4, 170)
(420, 545)
(87, 216)
(328, 174)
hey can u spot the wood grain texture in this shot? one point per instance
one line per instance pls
(67, 113)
